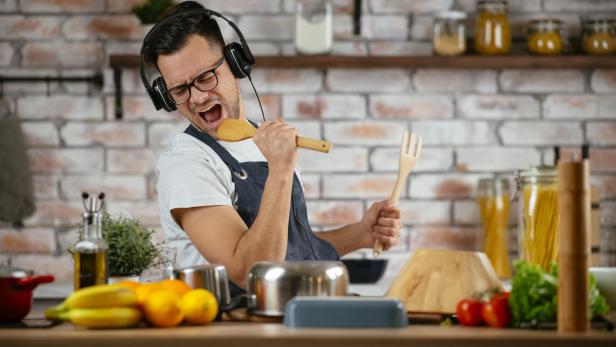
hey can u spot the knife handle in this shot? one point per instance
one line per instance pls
(317, 145)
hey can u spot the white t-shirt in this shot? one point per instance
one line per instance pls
(190, 174)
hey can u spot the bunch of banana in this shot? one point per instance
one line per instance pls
(104, 306)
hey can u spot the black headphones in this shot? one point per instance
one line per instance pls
(237, 55)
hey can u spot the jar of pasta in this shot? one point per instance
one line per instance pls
(538, 215)
(492, 32)
(599, 36)
(449, 34)
(544, 37)
(493, 200)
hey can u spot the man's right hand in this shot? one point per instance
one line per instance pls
(276, 140)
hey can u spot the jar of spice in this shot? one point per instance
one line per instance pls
(493, 200)
(599, 36)
(449, 33)
(544, 37)
(492, 31)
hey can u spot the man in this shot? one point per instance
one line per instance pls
(236, 203)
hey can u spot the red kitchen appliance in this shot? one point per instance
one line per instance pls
(16, 287)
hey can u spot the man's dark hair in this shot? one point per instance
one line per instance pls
(174, 33)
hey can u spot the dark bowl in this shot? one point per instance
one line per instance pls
(365, 270)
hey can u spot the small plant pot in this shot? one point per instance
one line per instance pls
(118, 279)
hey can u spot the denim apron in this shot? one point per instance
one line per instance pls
(249, 179)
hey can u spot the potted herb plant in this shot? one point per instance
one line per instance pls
(149, 12)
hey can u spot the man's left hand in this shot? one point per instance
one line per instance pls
(381, 222)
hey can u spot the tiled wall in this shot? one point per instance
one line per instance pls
(475, 123)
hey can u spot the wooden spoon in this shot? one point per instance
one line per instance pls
(238, 130)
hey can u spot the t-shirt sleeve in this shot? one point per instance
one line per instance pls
(189, 180)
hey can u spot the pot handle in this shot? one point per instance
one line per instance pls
(237, 302)
(31, 282)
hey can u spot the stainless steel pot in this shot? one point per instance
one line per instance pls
(212, 277)
(271, 285)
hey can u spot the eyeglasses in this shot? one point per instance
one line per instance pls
(206, 81)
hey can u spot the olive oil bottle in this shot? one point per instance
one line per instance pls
(90, 254)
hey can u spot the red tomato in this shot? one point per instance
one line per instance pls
(496, 312)
(469, 312)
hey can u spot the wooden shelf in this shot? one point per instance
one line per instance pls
(413, 62)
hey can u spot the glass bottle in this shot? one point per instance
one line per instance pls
(493, 200)
(313, 27)
(91, 253)
(544, 37)
(449, 33)
(492, 32)
(599, 36)
(538, 215)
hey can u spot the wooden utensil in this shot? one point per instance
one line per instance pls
(410, 151)
(238, 130)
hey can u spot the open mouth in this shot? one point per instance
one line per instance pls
(211, 116)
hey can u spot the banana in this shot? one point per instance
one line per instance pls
(98, 318)
(102, 296)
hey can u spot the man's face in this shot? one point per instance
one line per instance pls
(204, 110)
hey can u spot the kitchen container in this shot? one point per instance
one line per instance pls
(313, 27)
(365, 270)
(492, 31)
(271, 284)
(606, 283)
(449, 33)
(545, 37)
(212, 277)
(493, 200)
(538, 215)
(599, 36)
(16, 287)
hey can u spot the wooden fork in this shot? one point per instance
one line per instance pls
(410, 150)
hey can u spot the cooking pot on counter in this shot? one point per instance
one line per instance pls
(212, 277)
(16, 287)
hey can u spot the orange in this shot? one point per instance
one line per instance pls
(199, 307)
(146, 289)
(128, 284)
(162, 309)
(177, 286)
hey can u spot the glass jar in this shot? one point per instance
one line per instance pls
(544, 37)
(313, 27)
(492, 32)
(538, 215)
(493, 200)
(449, 33)
(599, 36)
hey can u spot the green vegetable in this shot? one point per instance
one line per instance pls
(534, 294)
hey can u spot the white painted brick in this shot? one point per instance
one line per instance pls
(312, 185)
(365, 133)
(243, 6)
(457, 238)
(62, 54)
(45, 187)
(367, 80)
(541, 133)
(603, 81)
(79, 88)
(512, 6)
(61, 267)
(117, 27)
(352, 48)
(159, 134)
(339, 159)
(109, 134)
(454, 80)
(334, 212)
(608, 213)
(411, 106)
(122, 5)
(145, 212)
(338, 6)
(66, 160)
(384, 27)
(454, 132)
(601, 133)
(421, 27)
(424, 212)
(497, 106)
(56, 213)
(542, 81)
(40, 134)
(606, 185)
(323, 106)
(342, 27)
(607, 107)
(395, 48)
(359, 186)
(405, 6)
(21, 88)
(7, 6)
(271, 28)
(271, 107)
(580, 5)
(264, 48)
(60, 107)
(54, 6)
(137, 108)
(29, 28)
(496, 159)
(131, 83)
(284, 81)
(432, 159)
(137, 161)
(307, 128)
(466, 212)
(448, 186)
(27, 240)
(571, 106)
(115, 187)
(6, 54)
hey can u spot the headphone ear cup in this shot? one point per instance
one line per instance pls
(160, 93)
(238, 61)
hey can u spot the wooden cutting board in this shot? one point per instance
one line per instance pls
(434, 281)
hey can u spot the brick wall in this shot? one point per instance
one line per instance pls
(475, 123)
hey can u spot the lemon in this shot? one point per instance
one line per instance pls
(162, 309)
(199, 307)
(177, 286)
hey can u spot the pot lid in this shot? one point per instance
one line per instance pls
(13, 272)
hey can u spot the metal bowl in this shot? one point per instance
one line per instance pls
(212, 277)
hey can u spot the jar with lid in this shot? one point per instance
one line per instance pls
(544, 37)
(493, 200)
(599, 36)
(313, 27)
(538, 215)
(449, 33)
(492, 31)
